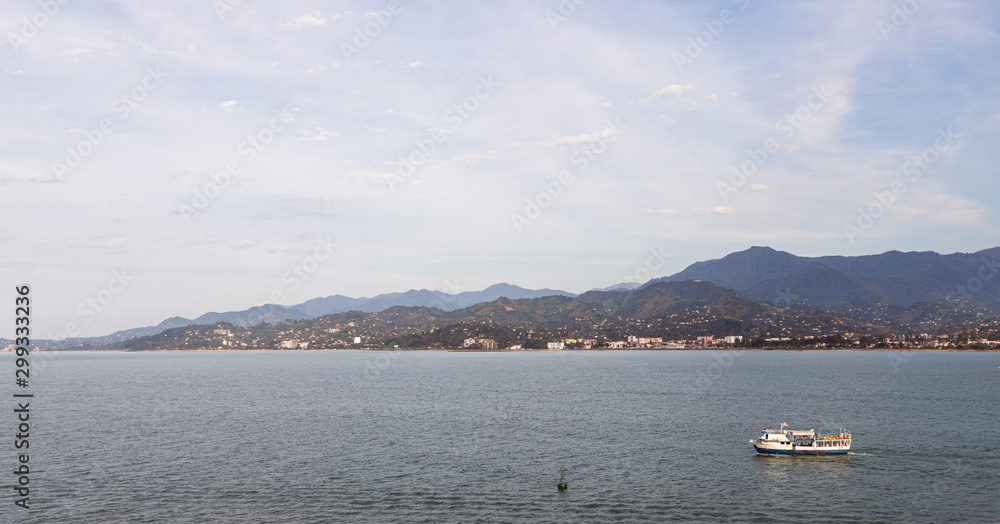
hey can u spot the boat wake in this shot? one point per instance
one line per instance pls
(862, 454)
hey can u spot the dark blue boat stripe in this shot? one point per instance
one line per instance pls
(799, 452)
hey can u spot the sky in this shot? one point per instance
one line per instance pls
(162, 159)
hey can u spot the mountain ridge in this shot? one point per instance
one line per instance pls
(836, 282)
(915, 285)
(683, 310)
(321, 306)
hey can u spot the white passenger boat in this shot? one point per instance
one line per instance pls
(784, 441)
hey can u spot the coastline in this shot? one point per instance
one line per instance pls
(464, 350)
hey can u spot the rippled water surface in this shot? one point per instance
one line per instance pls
(343, 436)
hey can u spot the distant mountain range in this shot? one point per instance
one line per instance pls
(838, 283)
(666, 309)
(896, 286)
(681, 310)
(317, 307)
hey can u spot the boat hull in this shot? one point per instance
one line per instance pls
(784, 441)
(766, 451)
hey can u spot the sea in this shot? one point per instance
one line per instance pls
(434, 436)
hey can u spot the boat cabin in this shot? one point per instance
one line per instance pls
(784, 440)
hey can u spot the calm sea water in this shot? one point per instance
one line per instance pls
(344, 436)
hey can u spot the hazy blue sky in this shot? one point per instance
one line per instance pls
(377, 146)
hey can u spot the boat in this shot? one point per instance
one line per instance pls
(784, 441)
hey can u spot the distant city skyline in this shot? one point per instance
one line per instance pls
(161, 160)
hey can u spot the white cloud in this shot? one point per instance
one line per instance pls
(718, 210)
(230, 106)
(661, 211)
(288, 114)
(572, 140)
(376, 179)
(475, 158)
(304, 21)
(146, 47)
(414, 65)
(317, 134)
(671, 90)
(77, 53)
(951, 210)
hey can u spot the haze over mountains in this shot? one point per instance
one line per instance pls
(911, 284)
(423, 297)
(318, 307)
